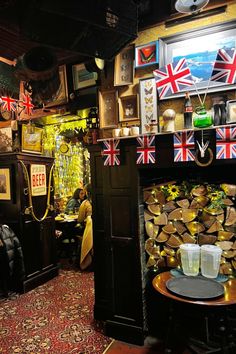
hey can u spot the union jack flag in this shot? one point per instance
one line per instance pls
(145, 149)
(173, 78)
(184, 146)
(111, 152)
(27, 104)
(8, 103)
(224, 69)
(226, 143)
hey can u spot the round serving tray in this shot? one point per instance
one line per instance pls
(195, 287)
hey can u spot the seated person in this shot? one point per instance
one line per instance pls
(75, 202)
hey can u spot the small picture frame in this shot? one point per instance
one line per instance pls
(231, 111)
(146, 54)
(124, 67)
(82, 77)
(128, 108)
(148, 105)
(31, 141)
(5, 186)
(6, 139)
(108, 110)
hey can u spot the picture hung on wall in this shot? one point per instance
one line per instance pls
(82, 77)
(5, 139)
(124, 67)
(60, 98)
(5, 187)
(108, 111)
(128, 108)
(148, 106)
(231, 111)
(199, 48)
(31, 139)
(146, 54)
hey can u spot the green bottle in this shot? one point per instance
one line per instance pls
(202, 119)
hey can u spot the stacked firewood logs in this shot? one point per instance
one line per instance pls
(189, 213)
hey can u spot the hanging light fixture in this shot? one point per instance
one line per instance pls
(190, 6)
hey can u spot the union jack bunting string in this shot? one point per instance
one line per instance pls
(224, 69)
(184, 146)
(173, 78)
(111, 152)
(145, 149)
(226, 143)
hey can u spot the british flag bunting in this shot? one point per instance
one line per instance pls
(184, 146)
(111, 152)
(226, 143)
(146, 149)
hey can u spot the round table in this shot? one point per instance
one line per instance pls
(217, 307)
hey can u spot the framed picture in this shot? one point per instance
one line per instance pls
(200, 48)
(231, 111)
(128, 108)
(82, 77)
(5, 139)
(148, 106)
(60, 98)
(124, 67)
(5, 187)
(108, 111)
(31, 139)
(146, 54)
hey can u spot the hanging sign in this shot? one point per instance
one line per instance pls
(38, 180)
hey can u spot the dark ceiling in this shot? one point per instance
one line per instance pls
(77, 30)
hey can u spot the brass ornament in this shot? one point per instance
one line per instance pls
(204, 164)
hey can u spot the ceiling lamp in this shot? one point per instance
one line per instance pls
(190, 6)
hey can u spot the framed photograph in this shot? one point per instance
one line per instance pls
(231, 111)
(82, 77)
(60, 98)
(31, 139)
(108, 110)
(5, 139)
(5, 187)
(124, 67)
(146, 54)
(128, 108)
(200, 48)
(148, 106)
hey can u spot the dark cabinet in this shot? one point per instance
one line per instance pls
(119, 298)
(33, 226)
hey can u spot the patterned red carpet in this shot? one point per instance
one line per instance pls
(55, 318)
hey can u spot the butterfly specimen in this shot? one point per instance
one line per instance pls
(148, 99)
(146, 58)
(148, 92)
(149, 117)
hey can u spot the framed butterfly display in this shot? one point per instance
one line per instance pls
(128, 108)
(146, 54)
(148, 106)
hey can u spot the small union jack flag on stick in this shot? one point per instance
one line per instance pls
(8, 103)
(145, 149)
(111, 152)
(184, 146)
(224, 69)
(226, 143)
(27, 104)
(173, 78)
